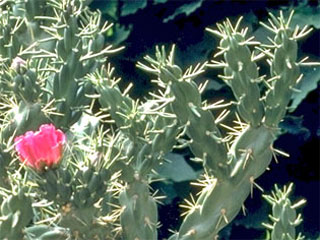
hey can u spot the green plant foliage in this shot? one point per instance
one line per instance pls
(132, 6)
(306, 15)
(186, 8)
(110, 8)
(159, 1)
(116, 9)
(294, 125)
(308, 84)
(119, 33)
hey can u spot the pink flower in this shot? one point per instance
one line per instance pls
(41, 148)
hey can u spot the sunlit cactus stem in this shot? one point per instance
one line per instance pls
(240, 70)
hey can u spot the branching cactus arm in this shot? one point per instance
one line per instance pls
(187, 106)
(149, 132)
(234, 170)
(284, 217)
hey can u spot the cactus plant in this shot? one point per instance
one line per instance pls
(86, 173)
(284, 215)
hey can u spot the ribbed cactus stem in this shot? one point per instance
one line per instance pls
(284, 217)
(220, 203)
(148, 137)
(240, 71)
(284, 70)
(139, 218)
(206, 140)
(251, 151)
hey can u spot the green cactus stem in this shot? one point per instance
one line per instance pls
(249, 154)
(284, 217)
(16, 213)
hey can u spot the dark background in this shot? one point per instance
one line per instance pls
(195, 45)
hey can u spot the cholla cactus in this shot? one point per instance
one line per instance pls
(284, 216)
(91, 178)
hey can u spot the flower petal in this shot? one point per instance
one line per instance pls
(41, 148)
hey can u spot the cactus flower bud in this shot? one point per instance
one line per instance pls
(41, 148)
